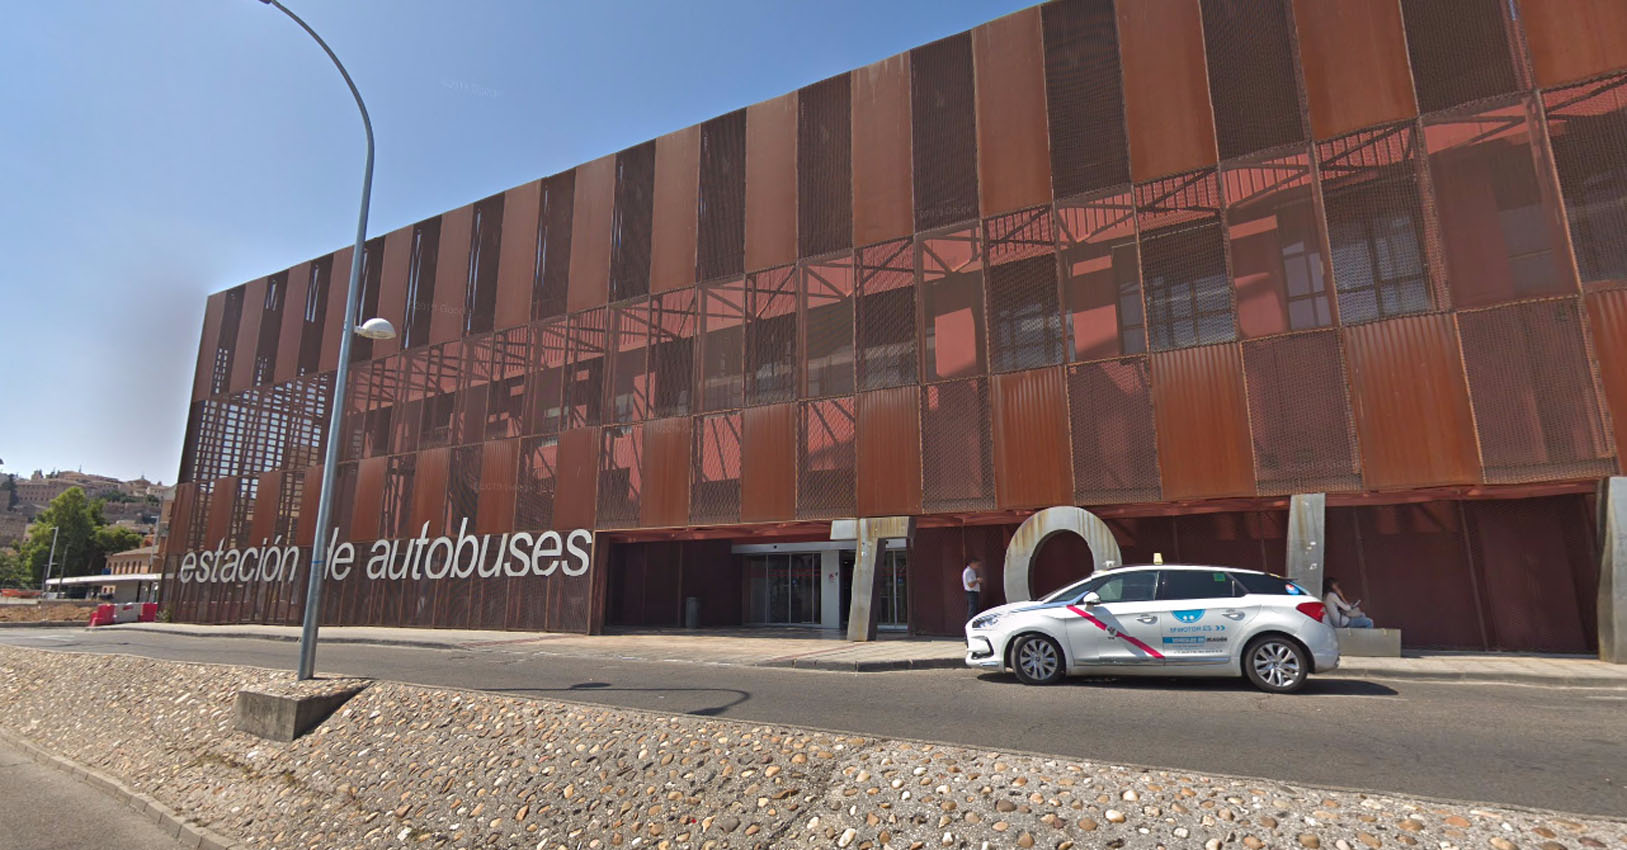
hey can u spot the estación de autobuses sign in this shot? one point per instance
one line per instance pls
(515, 555)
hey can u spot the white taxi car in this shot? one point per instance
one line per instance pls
(1161, 620)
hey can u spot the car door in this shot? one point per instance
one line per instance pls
(1120, 629)
(1200, 615)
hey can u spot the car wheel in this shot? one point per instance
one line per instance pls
(1037, 660)
(1275, 664)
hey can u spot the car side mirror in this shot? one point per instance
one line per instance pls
(1091, 598)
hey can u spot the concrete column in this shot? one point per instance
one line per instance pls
(1307, 519)
(872, 534)
(1613, 570)
(830, 589)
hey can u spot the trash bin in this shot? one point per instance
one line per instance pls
(692, 612)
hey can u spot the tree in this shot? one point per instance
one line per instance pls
(10, 486)
(83, 542)
(12, 571)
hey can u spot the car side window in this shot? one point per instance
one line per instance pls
(1195, 584)
(1129, 587)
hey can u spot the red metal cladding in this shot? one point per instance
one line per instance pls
(575, 495)
(221, 504)
(213, 311)
(1299, 411)
(309, 499)
(1013, 150)
(248, 335)
(666, 472)
(267, 499)
(826, 458)
(1572, 39)
(392, 300)
(333, 317)
(1607, 318)
(432, 475)
(768, 474)
(499, 464)
(715, 474)
(451, 275)
(889, 452)
(1166, 87)
(180, 523)
(1204, 450)
(677, 193)
(1031, 451)
(517, 257)
(1356, 68)
(1411, 403)
(594, 208)
(883, 197)
(1115, 446)
(292, 333)
(771, 182)
(369, 500)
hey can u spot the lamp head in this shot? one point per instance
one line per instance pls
(377, 327)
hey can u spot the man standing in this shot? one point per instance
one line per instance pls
(971, 579)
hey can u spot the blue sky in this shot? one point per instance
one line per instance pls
(155, 152)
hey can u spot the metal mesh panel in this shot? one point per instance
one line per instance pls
(723, 339)
(956, 452)
(1377, 234)
(485, 247)
(943, 133)
(423, 258)
(827, 310)
(369, 404)
(510, 353)
(825, 167)
(1499, 223)
(721, 234)
(1183, 262)
(1252, 79)
(884, 315)
(396, 519)
(1101, 277)
(1115, 448)
(367, 303)
(632, 222)
(1274, 236)
(584, 368)
(1533, 395)
(197, 527)
(714, 494)
(463, 488)
(1460, 51)
(1025, 323)
(265, 348)
(1304, 440)
(1084, 97)
(629, 363)
(242, 509)
(826, 452)
(433, 377)
(673, 324)
(951, 282)
(550, 272)
(1588, 126)
(618, 475)
(771, 336)
(315, 319)
(226, 341)
(545, 385)
(536, 482)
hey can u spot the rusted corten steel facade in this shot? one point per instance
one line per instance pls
(1171, 260)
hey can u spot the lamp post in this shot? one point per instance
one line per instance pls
(375, 328)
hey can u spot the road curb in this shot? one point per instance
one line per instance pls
(1481, 678)
(184, 830)
(44, 624)
(421, 644)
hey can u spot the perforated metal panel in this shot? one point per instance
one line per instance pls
(1460, 51)
(1084, 97)
(621, 475)
(395, 521)
(956, 453)
(1025, 324)
(545, 385)
(673, 326)
(771, 336)
(885, 347)
(1101, 277)
(537, 481)
(715, 477)
(826, 291)
(825, 167)
(1183, 262)
(826, 452)
(722, 227)
(1253, 78)
(950, 265)
(1115, 447)
(723, 340)
(629, 362)
(1378, 237)
(1274, 236)
(463, 488)
(944, 132)
(552, 268)
(1588, 128)
(1299, 414)
(1534, 403)
(633, 222)
(584, 368)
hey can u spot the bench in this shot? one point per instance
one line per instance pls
(1370, 643)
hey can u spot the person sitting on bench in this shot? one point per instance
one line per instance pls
(1342, 614)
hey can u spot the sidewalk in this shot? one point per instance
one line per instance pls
(820, 650)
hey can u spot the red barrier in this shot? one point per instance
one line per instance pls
(127, 612)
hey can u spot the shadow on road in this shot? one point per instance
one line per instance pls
(739, 696)
(1323, 687)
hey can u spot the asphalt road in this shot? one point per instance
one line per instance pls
(1550, 748)
(46, 809)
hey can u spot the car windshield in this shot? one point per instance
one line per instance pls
(1072, 591)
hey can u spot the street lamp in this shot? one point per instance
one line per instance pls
(372, 329)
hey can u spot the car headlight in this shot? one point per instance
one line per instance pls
(985, 621)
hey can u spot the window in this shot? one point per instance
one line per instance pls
(1266, 584)
(426, 238)
(485, 241)
(1375, 224)
(1195, 584)
(1129, 587)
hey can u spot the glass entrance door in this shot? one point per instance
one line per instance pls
(783, 589)
(892, 589)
